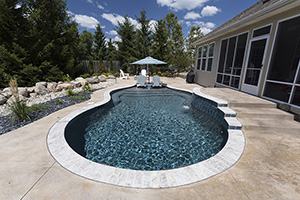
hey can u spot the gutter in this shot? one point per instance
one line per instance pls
(251, 17)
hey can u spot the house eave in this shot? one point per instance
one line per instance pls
(248, 20)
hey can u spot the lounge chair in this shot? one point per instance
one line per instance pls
(123, 75)
(156, 81)
(141, 82)
(144, 72)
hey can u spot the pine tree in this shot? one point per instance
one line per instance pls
(143, 36)
(86, 44)
(127, 49)
(99, 48)
(194, 35)
(160, 41)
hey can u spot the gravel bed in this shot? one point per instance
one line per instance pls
(8, 124)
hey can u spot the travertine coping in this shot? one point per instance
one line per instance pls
(81, 166)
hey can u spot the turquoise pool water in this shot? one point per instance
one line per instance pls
(143, 129)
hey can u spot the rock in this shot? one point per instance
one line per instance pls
(3, 99)
(60, 82)
(23, 91)
(96, 79)
(13, 98)
(76, 83)
(30, 89)
(79, 78)
(91, 80)
(32, 94)
(60, 87)
(40, 89)
(83, 82)
(7, 94)
(102, 78)
(7, 90)
(43, 83)
(51, 86)
(111, 77)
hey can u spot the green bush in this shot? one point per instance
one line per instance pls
(58, 102)
(70, 92)
(77, 98)
(85, 75)
(37, 107)
(67, 78)
(20, 109)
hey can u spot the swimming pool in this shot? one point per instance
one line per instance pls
(143, 129)
(74, 161)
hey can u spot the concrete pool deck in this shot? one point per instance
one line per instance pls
(268, 169)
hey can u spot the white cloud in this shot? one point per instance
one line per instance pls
(89, 1)
(192, 15)
(86, 21)
(99, 6)
(116, 39)
(115, 19)
(209, 11)
(182, 4)
(205, 27)
(152, 25)
(112, 32)
(17, 6)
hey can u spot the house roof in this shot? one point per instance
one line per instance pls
(259, 8)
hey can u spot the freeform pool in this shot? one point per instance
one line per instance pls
(143, 129)
(76, 163)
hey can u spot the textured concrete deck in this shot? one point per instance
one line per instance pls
(268, 169)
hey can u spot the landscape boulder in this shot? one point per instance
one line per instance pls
(51, 86)
(76, 83)
(111, 77)
(91, 80)
(96, 79)
(7, 93)
(79, 79)
(3, 99)
(83, 82)
(13, 99)
(102, 78)
(62, 86)
(23, 91)
(30, 89)
(43, 83)
(40, 89)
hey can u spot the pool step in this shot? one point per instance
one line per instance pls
(270, 125)
(263, 113)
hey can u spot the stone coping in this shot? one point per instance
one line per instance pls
(73, 162)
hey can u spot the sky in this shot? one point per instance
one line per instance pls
(208, 14)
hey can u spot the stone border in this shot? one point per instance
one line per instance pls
(73, 162)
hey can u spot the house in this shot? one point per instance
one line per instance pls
(257, 52)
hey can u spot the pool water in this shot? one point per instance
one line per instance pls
(154, 129)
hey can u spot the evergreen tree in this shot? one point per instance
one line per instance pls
(160, 41)
(86, 44)
(111, 50)
(177, 57)
(143, 36)
(99, 48)
(127, 52)
(194, 35)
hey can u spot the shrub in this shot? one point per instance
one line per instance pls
(85, 75)
(37, 107)
(77, 98)
(70, 92)
(19, 108)
(67, 78)
(58, 102)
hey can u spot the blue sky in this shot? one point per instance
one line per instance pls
(209, 14)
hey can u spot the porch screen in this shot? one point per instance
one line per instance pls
(231, 60)
(283, 80)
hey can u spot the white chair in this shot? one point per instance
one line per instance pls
(123, 75)
(141, 82)
(156, 81)
(144, 72)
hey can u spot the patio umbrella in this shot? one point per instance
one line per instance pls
(148, 60)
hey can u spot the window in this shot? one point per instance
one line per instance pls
(283, 79)
(231, 60)
(205, 57)
(262, 31)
